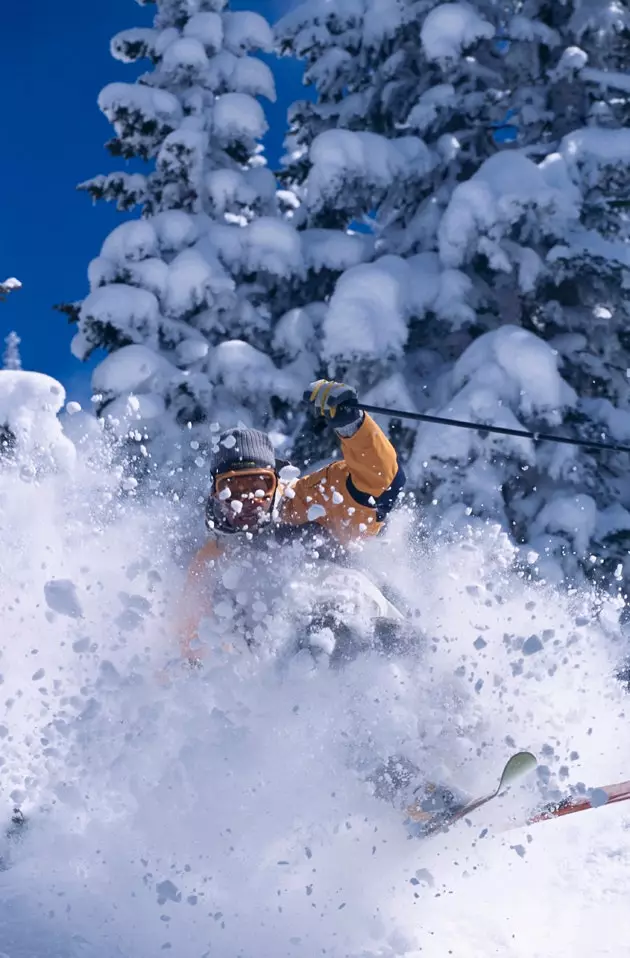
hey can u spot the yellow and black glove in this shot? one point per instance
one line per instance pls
(336, 402)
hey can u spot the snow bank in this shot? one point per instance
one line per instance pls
(29, 403)
(162, 815)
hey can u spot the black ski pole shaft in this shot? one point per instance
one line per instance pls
(486, 427)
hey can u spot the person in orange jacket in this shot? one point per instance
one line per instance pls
(347, 500)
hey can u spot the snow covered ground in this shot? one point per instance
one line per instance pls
(228, 814)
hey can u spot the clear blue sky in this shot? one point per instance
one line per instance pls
(53, 63)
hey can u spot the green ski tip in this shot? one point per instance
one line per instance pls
(518, 765)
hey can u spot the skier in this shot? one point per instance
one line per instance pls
(251, 506)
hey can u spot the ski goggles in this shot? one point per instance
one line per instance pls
(261, 483)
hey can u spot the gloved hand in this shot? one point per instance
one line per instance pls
(336, 402)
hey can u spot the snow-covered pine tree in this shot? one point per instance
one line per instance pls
(408, 98)
(180, 297)
(490, 228)
(545, 230)
(11, 358)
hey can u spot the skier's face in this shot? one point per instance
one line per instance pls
(245, 498)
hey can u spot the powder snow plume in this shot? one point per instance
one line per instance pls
(229, 812)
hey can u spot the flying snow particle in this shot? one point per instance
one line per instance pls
(289, 473)
(61, 597)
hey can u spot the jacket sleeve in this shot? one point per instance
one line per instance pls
(352, 496)
(195, 602)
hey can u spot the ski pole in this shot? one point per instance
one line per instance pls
(486, 427)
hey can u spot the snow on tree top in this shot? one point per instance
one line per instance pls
(334, 250)
(207, 28)
(338, 156)
(607, 78)
(184, 59)
(372, 303)
(154, 106)
(134, 44)
(450, 28)
(476, 402)
(505, 188)
(130, 313)
(238, 116)
(132, 368)
(246, 31)
(131, 241)
(587, 150)
(521, 369)
(272, 245)
(250, 373)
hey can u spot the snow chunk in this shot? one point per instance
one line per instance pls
(131, 412)
(29, 403)
(133, 241)
(207, 28)
(316, 511)
(522, 370)
(245, 31)
(450, 28)
(10, 284)
(375, 162)
(131, 369)
(130, 311)
(238, 116)
(61, 596)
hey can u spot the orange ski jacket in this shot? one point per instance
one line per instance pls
(350, 498)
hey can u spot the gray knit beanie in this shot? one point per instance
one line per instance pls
(242, 449)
